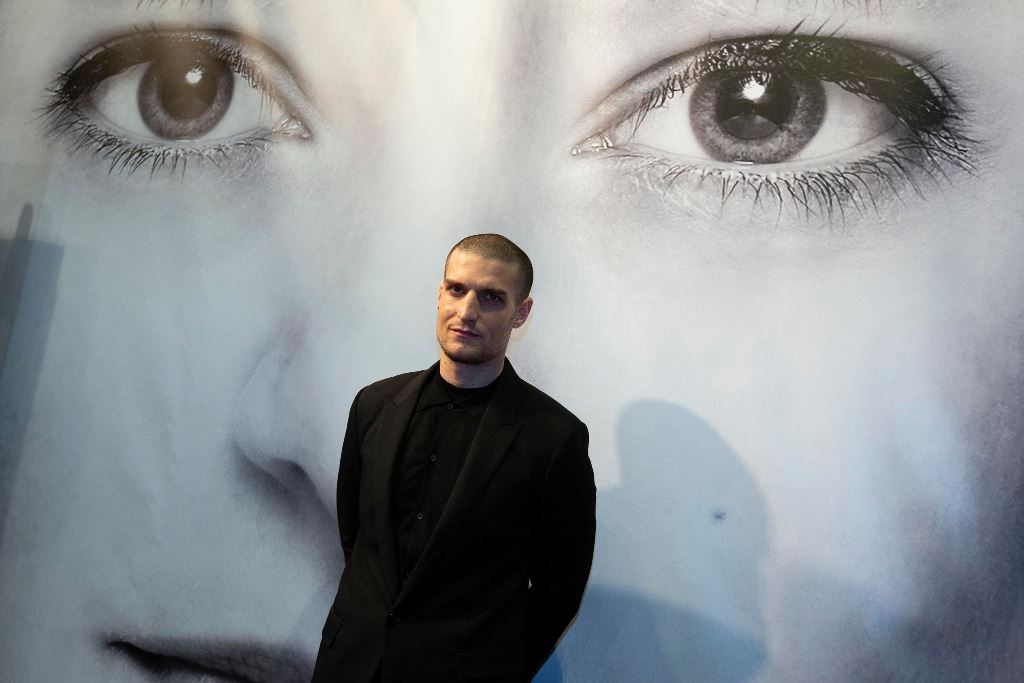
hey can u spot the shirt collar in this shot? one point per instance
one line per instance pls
(437, 391)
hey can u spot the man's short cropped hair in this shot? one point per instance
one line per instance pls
(495, 246)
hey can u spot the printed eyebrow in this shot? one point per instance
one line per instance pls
(866, 9)
(184, 4)
(833, 12)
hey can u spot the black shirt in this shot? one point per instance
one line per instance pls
(433, 451)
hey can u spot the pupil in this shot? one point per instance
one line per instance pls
(187, 90)
(754, 106)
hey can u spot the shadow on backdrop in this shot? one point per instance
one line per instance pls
(674, 594)
(28, 289)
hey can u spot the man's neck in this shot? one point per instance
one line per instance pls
(470, 376)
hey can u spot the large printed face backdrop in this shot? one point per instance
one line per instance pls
(778, 250)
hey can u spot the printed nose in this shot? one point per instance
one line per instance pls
(290, 420)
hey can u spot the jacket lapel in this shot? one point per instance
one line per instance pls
(494, 437)
(394, 421)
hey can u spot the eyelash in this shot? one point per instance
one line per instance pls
(935, 138)
(70, 88)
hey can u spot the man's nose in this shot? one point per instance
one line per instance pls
(469, 308)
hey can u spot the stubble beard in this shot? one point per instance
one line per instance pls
(470, 356)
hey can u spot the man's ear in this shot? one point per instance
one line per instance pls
(522, 312)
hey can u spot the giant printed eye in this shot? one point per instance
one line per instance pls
(171, 96)
(815, 117)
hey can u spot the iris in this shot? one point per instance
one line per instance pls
(183, 95)
(759, 117)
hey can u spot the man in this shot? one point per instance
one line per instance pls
(465, 501)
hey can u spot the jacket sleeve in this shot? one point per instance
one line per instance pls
(349, 473)
(563, 548)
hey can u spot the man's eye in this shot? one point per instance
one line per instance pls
(822, 121)
(167, 98)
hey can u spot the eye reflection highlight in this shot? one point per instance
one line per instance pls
(163, 98)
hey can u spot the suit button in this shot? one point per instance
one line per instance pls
(450, 406)
(393, 618)
(419, 515)
(433, 457)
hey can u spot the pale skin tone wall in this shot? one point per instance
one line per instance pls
(851, 378)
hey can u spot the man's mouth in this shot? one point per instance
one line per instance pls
(205, 658)
(463, 333)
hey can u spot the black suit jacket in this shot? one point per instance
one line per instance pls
(504, 571)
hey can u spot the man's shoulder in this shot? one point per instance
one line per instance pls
(387, 388)
(550, 428)
(537, 404)
(391, 385)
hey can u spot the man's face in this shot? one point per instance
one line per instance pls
(477, 309)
